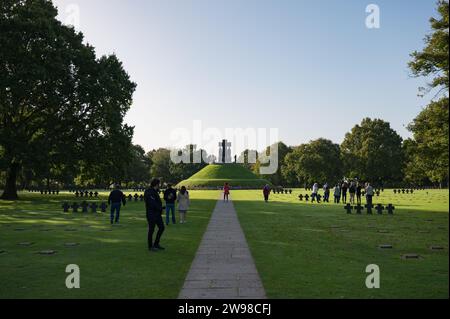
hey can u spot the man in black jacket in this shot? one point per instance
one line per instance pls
(116, 197)
(154, 208)
(170, 196)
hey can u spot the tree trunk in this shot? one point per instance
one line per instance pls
(10, 191)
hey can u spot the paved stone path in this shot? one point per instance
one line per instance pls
(223, 267)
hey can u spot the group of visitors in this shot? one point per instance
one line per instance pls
(154, 209)
(353, 188)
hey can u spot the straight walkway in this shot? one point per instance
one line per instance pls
(223, 267)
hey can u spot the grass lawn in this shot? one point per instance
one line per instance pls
(114, 261)
(305, 250)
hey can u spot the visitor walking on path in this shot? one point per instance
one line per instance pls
(170, 196)
(266, 193)
(115, 199)
(154, 208)
(183, 204)
(226, 192)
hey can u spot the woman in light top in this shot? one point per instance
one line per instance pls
(183, 204)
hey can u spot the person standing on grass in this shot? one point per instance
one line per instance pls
(226, 192)
(266, 193)
(352, 192)
(358, 193)
(326, 193)
(154, 208)
(315, 191)
(337, 194)
(183, 204)
(115, 199)
(369, 193)
(170, 196)
(344, 189)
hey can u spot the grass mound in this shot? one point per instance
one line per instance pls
(217, 175)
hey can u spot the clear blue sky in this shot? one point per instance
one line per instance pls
(308, 67)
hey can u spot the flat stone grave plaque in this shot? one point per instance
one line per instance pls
(385, 246)
(25, 244)
(383, 231)
(71, 244)
(410, 256)
(437, 248)
(47, 252)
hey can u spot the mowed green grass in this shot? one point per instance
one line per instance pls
(305, 250)
(114, 261)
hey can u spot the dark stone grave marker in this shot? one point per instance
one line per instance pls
(379, 208)
(65, 207)
(369, 209)
(75, 207)
(94, 207)
(359, 209)
(84, 207)
(348, 208)
(390, 208)
(103, 207)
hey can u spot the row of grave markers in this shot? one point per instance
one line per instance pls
(84, 207)
(379, 208)
(403, 191)
(281, 191)
(86, 194)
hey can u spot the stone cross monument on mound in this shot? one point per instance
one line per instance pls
(224, 152)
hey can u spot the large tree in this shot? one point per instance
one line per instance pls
(414, 171)
(372, 151)
(59, 105)
(316, 162)
(430, 130)
(430, 127)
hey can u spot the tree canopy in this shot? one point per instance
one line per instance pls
(61, 107)
(317, 161)
(372, 151)
(429, 156)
